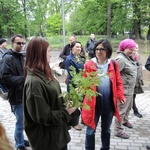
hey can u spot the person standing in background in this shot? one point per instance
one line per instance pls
(66, 51)
(3, 50)
(90, 46)
(128, 71)
(147, 66)
(13, 80)
(75, 60)
(139, 81)
(3, 47)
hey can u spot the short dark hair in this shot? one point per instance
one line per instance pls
(74, 43)
(16, 35)
(106, 45)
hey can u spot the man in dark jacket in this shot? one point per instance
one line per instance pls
(66, 51)
(13, 79)
(90, 46)
(147, 66)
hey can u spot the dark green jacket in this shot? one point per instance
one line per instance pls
(45, 118)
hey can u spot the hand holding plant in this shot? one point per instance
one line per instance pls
(70, 110)
(81, 86)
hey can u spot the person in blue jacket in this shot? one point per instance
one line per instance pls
(74, 59)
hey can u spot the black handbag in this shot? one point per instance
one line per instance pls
(75, 118)
(62, 65)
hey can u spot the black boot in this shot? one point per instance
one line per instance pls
(138, 114)
(148, 146)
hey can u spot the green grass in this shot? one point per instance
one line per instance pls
(56, 42)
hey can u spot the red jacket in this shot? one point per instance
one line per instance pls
(116, 86)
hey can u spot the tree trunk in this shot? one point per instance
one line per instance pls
(41, 33)
(109, 20)
(148, 34)
(136, 29)
(136, 21)
(1, 31)
(8, 32)
(25, 17)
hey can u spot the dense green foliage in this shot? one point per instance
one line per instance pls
(102, 17)
(84, 88)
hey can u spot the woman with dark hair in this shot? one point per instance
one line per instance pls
(104, 105)
(139, 81)
(76, 61)
(45, 117)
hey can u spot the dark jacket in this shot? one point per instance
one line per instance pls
(147, 64)
(77, 64)
(90, 46)
(45, 117)
(12, 76)
(139, 79)
(66, 52)
(2, 52)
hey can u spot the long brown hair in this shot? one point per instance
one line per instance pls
(4, 142)
(36, 57)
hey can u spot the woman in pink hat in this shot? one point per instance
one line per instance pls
(128, 71)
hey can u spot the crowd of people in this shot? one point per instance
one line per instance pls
(33, 91)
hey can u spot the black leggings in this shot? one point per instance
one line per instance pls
(135, 109)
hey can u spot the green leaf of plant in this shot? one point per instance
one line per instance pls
(80, 87)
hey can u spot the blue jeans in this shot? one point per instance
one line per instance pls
(19, 137)
(106, 120)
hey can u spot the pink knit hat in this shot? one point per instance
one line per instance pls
(126, 44)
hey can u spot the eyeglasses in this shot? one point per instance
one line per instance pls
(100, 49)
(19, 43)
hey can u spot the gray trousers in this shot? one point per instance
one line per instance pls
(124, 110)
